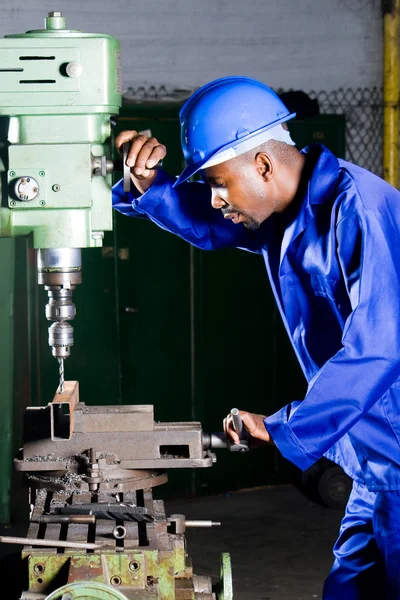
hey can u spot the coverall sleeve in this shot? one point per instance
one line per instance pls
(185, 211)
(359, 374)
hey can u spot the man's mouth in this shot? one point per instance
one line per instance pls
(233, 216)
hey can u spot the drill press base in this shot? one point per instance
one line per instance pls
(149, 562)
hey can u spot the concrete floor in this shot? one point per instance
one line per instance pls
(280, 541)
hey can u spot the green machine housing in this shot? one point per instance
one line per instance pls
(59, 90)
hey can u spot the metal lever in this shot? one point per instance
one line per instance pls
(127, 170)
(238, 426)
(218, 439)
(5, 539)
(237, 421)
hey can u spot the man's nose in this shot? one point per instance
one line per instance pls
(217, 201)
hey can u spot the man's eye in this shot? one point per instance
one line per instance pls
(218, 185)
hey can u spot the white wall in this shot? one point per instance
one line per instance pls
(302, 44)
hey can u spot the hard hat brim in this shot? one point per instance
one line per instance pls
(190, 170)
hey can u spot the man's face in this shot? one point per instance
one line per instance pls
(241, 192)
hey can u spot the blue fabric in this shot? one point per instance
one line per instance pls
(358, 572)
(334, 267)
(367, 552)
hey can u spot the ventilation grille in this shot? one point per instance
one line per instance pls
(20, 70)
(37, 58)
(37, 81)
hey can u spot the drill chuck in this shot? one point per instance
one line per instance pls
(61, 338)
(59, 270)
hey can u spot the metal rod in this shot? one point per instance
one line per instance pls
(202, 523)
(59, 519)
(6, 539)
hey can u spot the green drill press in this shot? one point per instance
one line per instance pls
(59, 89)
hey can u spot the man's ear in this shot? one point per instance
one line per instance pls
(265, 165)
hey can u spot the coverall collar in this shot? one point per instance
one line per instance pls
(324, 176)
(322, 170)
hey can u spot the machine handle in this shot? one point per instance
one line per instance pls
(126, 170)
(237, 422)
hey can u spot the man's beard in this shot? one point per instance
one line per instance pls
(251, 223)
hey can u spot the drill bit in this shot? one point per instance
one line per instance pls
(60, 389)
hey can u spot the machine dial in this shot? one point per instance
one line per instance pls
(26, 189)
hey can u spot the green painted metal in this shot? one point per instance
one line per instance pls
(86, 591)
(225, 587)
(127, 571)
(58, 90)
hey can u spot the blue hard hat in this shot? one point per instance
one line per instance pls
(224, 113)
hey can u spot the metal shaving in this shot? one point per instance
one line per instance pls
(69, 481)
(74, 460)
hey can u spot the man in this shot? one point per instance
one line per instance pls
(329, 233)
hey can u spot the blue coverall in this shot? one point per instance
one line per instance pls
(334, 267)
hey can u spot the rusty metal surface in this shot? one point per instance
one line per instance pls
(150, 563)
(54, 438)
(136, 417)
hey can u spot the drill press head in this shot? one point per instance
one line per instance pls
(60, 90)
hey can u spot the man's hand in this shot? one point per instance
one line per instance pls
(254, 425)
(144, 154)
